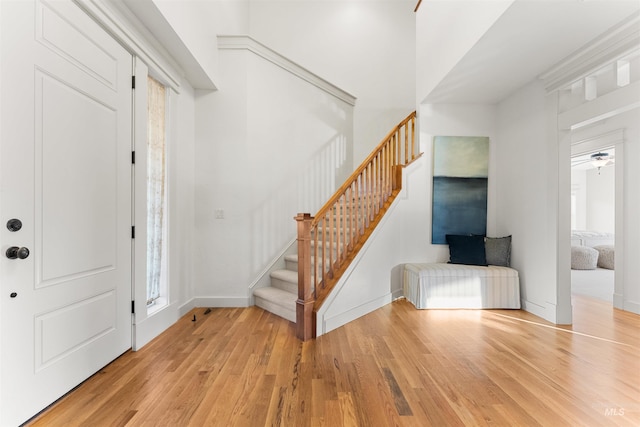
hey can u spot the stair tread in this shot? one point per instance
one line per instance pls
(294, 258)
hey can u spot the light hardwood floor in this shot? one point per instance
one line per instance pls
(397, 366)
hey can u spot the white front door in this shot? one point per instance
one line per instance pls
(65, 174)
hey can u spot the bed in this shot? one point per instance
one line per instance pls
(444, 285)
(591, 238)
(592, 249)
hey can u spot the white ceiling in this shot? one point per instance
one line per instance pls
(527, 40)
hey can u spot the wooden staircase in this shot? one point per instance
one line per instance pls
(329, 241)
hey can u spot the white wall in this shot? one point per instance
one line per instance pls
(595, 198)
(463, 120)
(463, 23)
(630, 300)
(601, 197)
(404, 235)
(579, 192)
(364, 47)
(269, 145)
(182, 197)
(527, 205)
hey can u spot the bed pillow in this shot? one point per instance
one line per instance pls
(605, 256)
(467, 250)
(583, 258)
(498, 251)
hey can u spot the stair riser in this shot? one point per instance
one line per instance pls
(284, 285)
(293, 266)
(288, 313)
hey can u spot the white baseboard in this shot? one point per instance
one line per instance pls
(186, 307)
(222, 302)
(539, 310)
(152, 326)
(397, 294)
(632, 306)
(328, 324)
(618, 301)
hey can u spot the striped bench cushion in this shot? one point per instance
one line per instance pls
(442, 285)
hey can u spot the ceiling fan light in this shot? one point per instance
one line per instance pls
(600, 159)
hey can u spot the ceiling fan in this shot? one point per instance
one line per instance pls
(596, 160)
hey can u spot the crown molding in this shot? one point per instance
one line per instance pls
(616, 43)
(243, 42)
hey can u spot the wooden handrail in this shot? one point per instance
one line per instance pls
(329, 241)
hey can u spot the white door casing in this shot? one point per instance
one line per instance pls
(65, 172)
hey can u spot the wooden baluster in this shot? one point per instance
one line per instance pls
(374, 182)
(413, 138)
(384, 170)
(335, 232)
(379, 180)
(341, 232)
(398, 149)
(317, 275)
(356, 200)
(322, 247)
(369, 200)
(353, 215)
(379, 170)
(395, 150)
(406, 143)
(305, 319)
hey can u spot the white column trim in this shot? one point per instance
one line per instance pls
(613, 45)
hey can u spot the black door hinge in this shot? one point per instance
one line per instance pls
(133, 307)
(133, 231)
(133, 157)
(133, 82)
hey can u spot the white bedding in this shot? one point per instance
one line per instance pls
(461, 286)
(591, 238)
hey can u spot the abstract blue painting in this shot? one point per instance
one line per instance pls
(460, 177)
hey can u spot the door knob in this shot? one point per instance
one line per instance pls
(15, 252)
(14, 225)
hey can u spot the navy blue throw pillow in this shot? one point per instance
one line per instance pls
(467, 250)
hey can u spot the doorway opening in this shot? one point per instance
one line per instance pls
(593, 221)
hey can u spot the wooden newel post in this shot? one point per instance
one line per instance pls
(305, 319)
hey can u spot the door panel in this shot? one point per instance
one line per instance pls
(65, 172)
(75, 241)
(57, 30)
(51, 345)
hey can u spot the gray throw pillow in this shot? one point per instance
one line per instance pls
(498, 250)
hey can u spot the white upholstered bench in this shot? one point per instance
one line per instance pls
(443, 285)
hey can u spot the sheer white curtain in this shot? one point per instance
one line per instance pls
(155, 186)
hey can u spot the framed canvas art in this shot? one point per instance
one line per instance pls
(460, 178)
